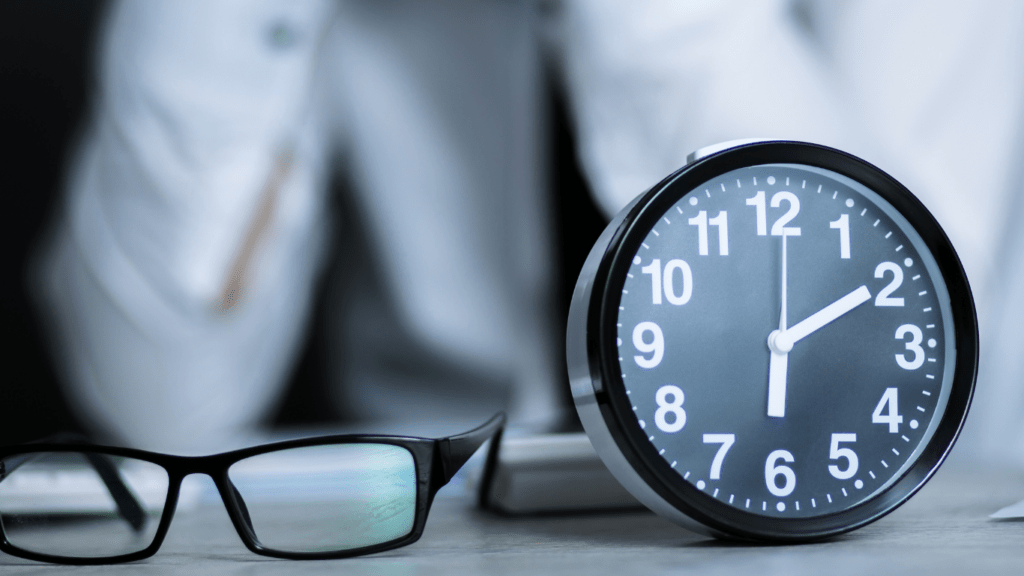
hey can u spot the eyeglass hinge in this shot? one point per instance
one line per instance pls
(445, 447)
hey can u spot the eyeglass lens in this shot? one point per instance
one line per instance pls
(330, 497)
(81, 504)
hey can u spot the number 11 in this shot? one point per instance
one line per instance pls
(701, 222)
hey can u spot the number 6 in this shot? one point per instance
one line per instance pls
(772, 472)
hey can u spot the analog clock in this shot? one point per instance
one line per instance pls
(776, 342)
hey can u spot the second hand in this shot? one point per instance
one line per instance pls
(782, 316)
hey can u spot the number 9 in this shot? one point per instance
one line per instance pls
(656, 347)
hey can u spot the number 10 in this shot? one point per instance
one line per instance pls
(668, 281)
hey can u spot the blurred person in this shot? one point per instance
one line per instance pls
(179, 279)
(181, 276)
(931, 92)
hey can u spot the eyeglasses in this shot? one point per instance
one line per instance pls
(314, 498)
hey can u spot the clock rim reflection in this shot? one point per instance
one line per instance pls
(603, 281)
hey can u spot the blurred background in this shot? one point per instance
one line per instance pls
(46, 70)
(48, 66)
(309, 207)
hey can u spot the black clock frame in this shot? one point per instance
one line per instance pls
(616, 409)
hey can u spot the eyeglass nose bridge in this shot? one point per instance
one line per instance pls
(216, 469)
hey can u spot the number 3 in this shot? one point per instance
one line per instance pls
(914, 346)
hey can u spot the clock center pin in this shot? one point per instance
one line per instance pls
(779, 342)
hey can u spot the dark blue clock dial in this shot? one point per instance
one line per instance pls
(811, 426)
(776, 342)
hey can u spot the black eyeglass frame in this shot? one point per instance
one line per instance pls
(436, 461)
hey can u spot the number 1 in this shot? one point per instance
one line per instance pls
(843, 225)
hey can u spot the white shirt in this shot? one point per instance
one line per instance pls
(931, 92)
(436, 108)
(180, 279)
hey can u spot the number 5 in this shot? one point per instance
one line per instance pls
(835, 453)
(726, 441)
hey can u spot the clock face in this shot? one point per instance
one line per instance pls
(785, 340)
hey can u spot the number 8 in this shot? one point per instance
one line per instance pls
(675, 407)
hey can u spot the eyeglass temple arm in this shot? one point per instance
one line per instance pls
(457, 450)
(127, 504)
(242, 508)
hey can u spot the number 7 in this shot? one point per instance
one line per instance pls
(726, 441)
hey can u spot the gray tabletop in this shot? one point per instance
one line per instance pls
(945, 529)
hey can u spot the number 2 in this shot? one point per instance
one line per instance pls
(884, 297)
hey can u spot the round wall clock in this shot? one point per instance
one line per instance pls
(776, 342)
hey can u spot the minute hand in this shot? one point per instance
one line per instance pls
(809, 325)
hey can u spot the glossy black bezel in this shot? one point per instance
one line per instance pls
(435, 460)
(616, 409)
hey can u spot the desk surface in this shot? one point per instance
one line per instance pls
(945, 529)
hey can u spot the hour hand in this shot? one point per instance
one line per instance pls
(819, 319)
(780, 342)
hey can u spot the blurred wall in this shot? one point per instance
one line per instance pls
(45, 51)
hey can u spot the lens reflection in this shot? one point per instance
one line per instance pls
(328, 498)
(81, 505)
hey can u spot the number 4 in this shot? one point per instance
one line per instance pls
(889, 404)
(726, 441)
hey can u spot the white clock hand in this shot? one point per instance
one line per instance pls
(782, 314)
(784, 340)
(781, 341)
(779, 363)
(777, 368)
